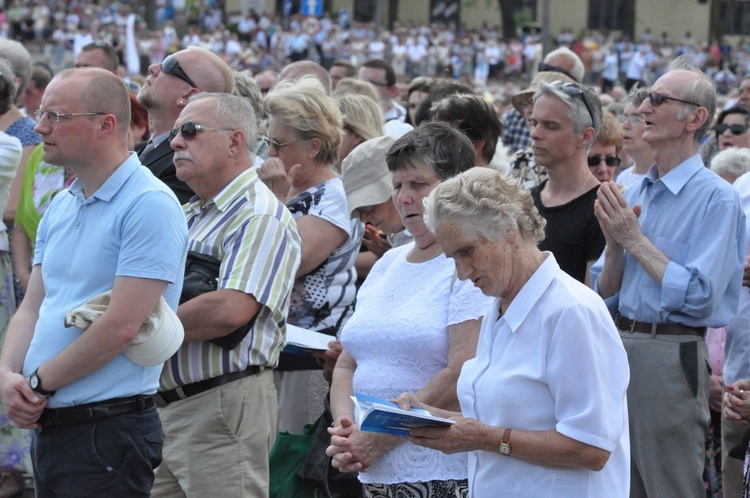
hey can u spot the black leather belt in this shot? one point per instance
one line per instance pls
(631, 326)
(91, 412)
(188, 390)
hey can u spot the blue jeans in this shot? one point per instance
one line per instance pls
(113, 457)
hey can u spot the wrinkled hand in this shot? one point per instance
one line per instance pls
(22, 404)
(619, 223)
(277, 178)
(466, 435)
(374, 242)
(746, 273)
(353, 450)
(737, 402)
(716, 392)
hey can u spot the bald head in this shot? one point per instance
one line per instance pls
(296, 70)
(102, 91)
(209, 72)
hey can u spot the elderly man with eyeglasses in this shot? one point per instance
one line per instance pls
(165, 93)
(672, 267)
(219, 401)
(565, 120)
(96, 429)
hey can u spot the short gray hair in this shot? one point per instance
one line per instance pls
(583, 112)
(19, 60)
(702, 91)
(234, 112)
(245, 86)
(732, 161)
(7, 87)
(487, 204)
(578, 71)
(445, 149)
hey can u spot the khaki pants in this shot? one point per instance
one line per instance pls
(218, 442)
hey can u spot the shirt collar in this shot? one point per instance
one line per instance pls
(531, 292)
(227, 195)
(113, 184)
(676, 179)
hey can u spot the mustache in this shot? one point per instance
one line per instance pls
(183, 154)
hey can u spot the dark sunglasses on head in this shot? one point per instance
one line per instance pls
(573, 90)
(189, 130)
(543, 66)
(658, 99)
(172, 66)
(736, 129)
(611, 161)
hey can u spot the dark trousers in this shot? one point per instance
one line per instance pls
(112, 457)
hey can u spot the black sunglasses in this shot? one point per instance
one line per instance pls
(611, 161)
(573, 89)
(658, 99)
(189, 130)
(172, 66)
(736, 129)
(543, 66)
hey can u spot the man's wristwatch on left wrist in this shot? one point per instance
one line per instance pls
(36, 384)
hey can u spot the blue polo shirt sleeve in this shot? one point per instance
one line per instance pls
(154, 239)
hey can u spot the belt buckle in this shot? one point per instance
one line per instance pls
(632, 326)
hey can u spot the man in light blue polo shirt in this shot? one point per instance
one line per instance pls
(96, 430)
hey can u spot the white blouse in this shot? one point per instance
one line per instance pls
(398, 335)
(554, 360)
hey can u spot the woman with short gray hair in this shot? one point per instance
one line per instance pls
(543, 410)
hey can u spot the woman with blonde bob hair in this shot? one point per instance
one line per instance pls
(543, 410)
(304, 132)
(363, 120)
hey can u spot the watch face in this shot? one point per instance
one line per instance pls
(505, 448)
(34, 381)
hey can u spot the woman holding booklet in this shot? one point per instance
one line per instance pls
(543, 404)
(414, 326)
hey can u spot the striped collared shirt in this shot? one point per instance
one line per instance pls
(256, 239)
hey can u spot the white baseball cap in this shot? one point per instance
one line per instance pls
(160, 336)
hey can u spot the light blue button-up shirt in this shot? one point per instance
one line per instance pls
(694, 218)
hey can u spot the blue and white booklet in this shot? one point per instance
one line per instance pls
(378, 415)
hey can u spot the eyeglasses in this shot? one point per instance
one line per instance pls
(736, 129)
(365, 209)
(632, 118)
(381, 85)
(611, 161)
(271, 143)
(189, 130)
(172, 66)
(658, 99)
(543, 66)
(573, 90)
(55, 116)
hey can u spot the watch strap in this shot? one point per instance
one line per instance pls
(505, 442)
(39, 387)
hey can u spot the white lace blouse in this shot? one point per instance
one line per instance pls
(398, 336)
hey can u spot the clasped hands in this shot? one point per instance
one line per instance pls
(619, 223)
(22, 404)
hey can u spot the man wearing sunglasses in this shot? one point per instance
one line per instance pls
(99, 235)
(229, 405)
(165, 93)
(565, 121)
(672, 267)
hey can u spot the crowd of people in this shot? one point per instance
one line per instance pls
(549, 249)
